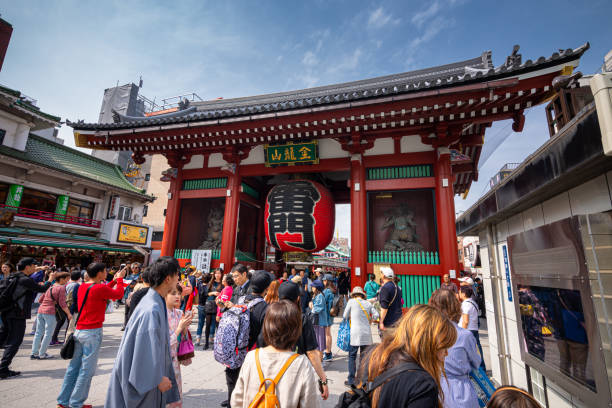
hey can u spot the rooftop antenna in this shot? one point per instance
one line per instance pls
(140, 83)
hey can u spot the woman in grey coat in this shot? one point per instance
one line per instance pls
(360, 313)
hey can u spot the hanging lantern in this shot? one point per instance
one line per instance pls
(299, 216)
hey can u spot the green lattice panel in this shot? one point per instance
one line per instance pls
(418, 288)
(386, 173)
(205, 184)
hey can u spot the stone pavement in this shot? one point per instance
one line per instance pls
(203, 381)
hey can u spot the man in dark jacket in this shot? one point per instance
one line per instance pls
(15, 318)
(242, 282)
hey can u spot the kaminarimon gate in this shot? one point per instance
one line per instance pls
(396, 148)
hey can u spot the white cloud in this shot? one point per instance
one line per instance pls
(310, 59)
(347, 63)
(379, 18)
(430, 32)
(423, 16)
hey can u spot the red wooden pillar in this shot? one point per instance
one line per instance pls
(359, 231)
(230, 220)
(445, 205)
(173, 211)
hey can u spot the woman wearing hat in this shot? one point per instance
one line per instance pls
(360, 313)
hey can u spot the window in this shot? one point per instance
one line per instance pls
(157, 236)
(2, 134)
(125, 213)
(145, 210)
(147, 177)
(37, 200)
(3, 192)
(78, 208)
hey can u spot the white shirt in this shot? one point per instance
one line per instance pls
(468, 307)
(361, 335)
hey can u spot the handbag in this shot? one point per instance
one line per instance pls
(344, 335)
(185, 347)
(482, 385)
(60, 315)
(67, 350)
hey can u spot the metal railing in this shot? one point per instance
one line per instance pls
(50, 216)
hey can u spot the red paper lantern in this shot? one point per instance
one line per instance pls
(299, 216)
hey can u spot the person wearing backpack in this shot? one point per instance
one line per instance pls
(275, 375)
(404, 370)
(329, 293)
(390, 297)
(252, 309)
(360, 314)
(50, 302)
(16, 296)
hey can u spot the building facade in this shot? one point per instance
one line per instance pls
(545, 232)
(397, 148)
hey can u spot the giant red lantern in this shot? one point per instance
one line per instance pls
(299, 216)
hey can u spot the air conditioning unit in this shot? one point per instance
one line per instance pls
(601, 86)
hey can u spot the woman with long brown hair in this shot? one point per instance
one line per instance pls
(422, 337)
(272, 292)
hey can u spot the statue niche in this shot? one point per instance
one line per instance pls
(403, 237)
(215, 229)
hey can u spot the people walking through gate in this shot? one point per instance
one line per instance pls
(307, 343)
(329, 293)
(178, 325)
(462, 357)
(371, 289)
(390, 298)
(295, 381)
(512, 397)
(419, 343)
(92, 298)
(360, 314)
(320, 311)
(214, 289)
(143, 374)
(469, 316)
(52, 300)
(62, 316)
(304, 296)
(344, 285)
(14, 318)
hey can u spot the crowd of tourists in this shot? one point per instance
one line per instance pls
(273, 336)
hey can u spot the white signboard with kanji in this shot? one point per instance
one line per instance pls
(200, 258)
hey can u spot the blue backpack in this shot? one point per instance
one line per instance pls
(232, 335)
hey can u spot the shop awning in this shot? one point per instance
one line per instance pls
(60, 244)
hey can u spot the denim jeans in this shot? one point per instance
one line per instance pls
(45, 324)
(352, 361)
(81, 369)
(477, 337)
(201, 320)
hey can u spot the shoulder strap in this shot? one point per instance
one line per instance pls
(398, 369)
(364, 311)
(83, 305)
(394, 295)
(285, 367)
(261, 376)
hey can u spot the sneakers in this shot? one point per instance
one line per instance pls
(327, 357)
(55, 343)
(34, 357)
(45, 357)
(9, 374)
(197, 342)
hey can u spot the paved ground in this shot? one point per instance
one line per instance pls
(203, 381)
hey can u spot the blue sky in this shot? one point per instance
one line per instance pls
(65, 53)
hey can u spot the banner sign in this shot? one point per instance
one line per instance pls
(292, 153)
(132, 234)
(62, 205)
(15, 192)
(507, 267)
(200, 258)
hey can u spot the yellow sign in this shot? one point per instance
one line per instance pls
(132, 234)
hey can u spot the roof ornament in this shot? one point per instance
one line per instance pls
(184, 104)
(514, 59)
(116, 116)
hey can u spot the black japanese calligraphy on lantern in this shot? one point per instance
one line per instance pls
(291, 211)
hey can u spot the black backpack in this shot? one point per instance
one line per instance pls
(359, 397)
(7, 290)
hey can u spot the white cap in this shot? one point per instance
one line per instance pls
(467, 280)
(387, 272)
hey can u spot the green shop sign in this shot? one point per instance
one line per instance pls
(292, 153)
(15, 192)
(62, 205)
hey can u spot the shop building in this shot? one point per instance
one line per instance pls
(545, 233)
(396, 148)
(58, 204)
